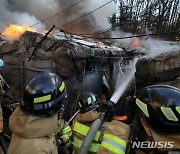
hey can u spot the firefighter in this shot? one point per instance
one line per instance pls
(35, 123)
(90, 110)
(158, 107)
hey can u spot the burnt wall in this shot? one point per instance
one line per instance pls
(164, 69)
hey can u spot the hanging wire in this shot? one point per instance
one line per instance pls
(97, 32)
(85, 14)
(118, 38)
(127, 37)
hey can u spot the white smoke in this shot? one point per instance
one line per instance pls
(41, 8)
(22, 18)
(156, 47)
(101, 15)
(33, 11)
(120, 34)
(151, 47)
(10, 16)
(95, 21)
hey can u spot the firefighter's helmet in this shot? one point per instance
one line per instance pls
(1, 63)
(159, 106)
(88, 101)
(43, 95)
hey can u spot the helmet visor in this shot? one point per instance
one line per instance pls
(161, 96)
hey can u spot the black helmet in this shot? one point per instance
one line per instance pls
(43, 95)
(88, 102)
(159, 106)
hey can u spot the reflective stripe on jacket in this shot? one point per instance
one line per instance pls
(64, 130)
(114, 143)
(66, 133)
(115, 138)
(94, 146)
(82, 130)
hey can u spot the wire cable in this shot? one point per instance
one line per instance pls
(127, 37)
(86, 34)
(85, 14)
(118, 38)
(99, 32)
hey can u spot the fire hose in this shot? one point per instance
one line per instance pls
(90, 135)
(97, 123)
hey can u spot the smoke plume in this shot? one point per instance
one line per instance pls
(149, 45)
(32, 11)
(10, 15)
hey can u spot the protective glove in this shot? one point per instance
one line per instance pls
(109, 108)
(59, 143)
(125, 113)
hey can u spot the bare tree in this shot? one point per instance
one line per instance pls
(156, 15)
